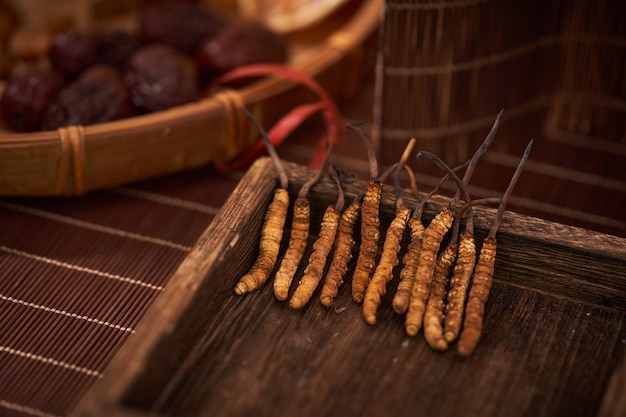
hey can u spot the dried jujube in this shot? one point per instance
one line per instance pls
(115, 47)
(241, 43)
(73, 51)
(98, 96)
(26, 98)
(160, 77)
(179, 24)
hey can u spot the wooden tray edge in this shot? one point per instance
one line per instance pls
(167, 315)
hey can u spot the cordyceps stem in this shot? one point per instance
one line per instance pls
(509, 191)
(371, 156)
(304, 190)
(479, 202)
(399, 168)
(437, 161)
(469, 226)
(417, 213)
(282, 175)
(481, 150)
(412, 181)
(456, 228)
(340, 195)
(383, 177)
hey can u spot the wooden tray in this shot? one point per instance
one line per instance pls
(553, 341)
(75, 160)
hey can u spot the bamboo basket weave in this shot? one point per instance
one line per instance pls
(556, 68)
(78, 159)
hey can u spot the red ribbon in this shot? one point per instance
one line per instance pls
(290, 121)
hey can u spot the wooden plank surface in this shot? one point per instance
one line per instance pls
(204, 351)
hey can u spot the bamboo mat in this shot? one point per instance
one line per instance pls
(77, 274)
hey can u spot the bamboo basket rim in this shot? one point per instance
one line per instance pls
(312, 62)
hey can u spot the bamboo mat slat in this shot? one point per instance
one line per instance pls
(79, 273)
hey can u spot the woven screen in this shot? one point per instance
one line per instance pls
(446, 68)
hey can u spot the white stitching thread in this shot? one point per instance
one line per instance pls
(66, 313)
(50, 361)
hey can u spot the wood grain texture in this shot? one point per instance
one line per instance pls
(554, 331)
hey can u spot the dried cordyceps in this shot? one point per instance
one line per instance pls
(272, 230)
(466, 258)
(321, 249)
(483, 273)
(317, 261)
(342, 254)
(410, 259)
(297, 244)
(431, 242)
(299, 235)
(391, 247)
(370, 223)
(433, 315)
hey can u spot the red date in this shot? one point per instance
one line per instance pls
(242, 43)
(72, 52)
(114, 47)
(160, 77)
(98, 96)
(27, 96)
(181, 25)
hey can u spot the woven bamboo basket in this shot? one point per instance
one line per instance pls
(77, 159)
(556, 69)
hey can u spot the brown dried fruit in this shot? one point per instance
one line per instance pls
(115, 47)
(72, 52)
(179, 24)
(26, 98)
(241, 43)
(98, 96)
(159, 77)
